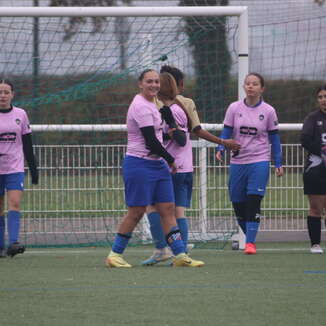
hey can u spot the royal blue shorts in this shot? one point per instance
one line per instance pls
(182, 185)
(248, 179)
(12, 181)
(147, 182)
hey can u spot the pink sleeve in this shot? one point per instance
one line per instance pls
(144, 117)
(229, 116)
(26, 129)
(180, 118)
(272, 123)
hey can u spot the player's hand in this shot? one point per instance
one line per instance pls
(173, 168)
(170, 132)
(231, 144)
(279, 171)
(219, 156)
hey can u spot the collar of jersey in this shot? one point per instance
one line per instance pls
(7, 110)
(260, 101)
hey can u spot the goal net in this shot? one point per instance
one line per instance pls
(76, 77)
(77, 70)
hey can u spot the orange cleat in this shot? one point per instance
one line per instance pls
(250, 249)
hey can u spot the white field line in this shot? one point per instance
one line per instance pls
(93, 251)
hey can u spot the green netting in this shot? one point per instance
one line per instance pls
(90, 78)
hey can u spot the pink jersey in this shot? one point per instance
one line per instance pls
(250, 128)
(182, 154)
(142, 113)
(13, 125)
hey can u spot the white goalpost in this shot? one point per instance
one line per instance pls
(239, 11)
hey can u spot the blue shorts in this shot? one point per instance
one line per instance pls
(12, 181)
(147, 182)
(182, 185)
(248, 179)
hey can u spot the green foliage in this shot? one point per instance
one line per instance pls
(105, 100)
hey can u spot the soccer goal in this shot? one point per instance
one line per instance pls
(75, 72)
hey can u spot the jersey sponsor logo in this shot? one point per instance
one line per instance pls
(260, 189)
(8, 137)
(18, 121)
(261, 117)
(251, 131)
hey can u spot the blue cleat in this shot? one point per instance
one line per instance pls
(158, 256)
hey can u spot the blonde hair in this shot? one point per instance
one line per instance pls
(168, 89)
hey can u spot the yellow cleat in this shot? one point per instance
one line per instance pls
(116, 260)
(183, 260)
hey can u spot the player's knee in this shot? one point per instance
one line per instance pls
(315, 211)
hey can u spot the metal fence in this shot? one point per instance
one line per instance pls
(80, 197)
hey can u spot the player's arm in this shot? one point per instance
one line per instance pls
(179, 136)
(29, 156)
(309, 142)
(275, 141)
(154, 145)
(226, 133)
(204, 134)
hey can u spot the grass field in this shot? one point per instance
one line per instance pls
(282, 285)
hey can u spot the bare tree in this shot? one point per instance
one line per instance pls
(74, 23)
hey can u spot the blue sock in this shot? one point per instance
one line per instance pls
(13, 226)
(183, 227)
(242, 224)
(2, 232)
(121, 242)
(175, 242)
(158, 236)
(252, 229)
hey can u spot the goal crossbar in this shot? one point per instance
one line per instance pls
(122, 11)
(240, 11)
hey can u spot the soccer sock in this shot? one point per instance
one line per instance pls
(314, 229)
(2, 232)
(174, 240)
(156, 230)
(252, 229)
(121, 242)
(13, 226)
(252, 217)
(183, 227)
(240, 213)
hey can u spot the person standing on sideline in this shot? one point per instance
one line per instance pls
(254, 124)
(313, 139)
(15, 145)
(146, 175)
(178, 145)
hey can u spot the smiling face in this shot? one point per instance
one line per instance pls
(6, 96)
(253, 87)
(321, 98)
(149, 85)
